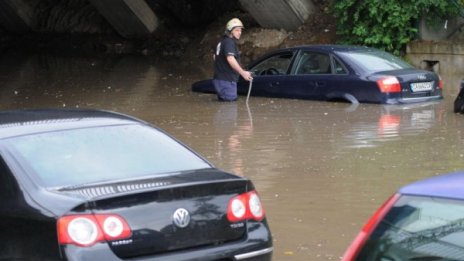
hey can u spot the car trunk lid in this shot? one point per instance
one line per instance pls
(414, 84)
(172, 213)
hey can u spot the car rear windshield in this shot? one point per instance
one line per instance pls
(82, 156)
(376, 60)
(418, 228)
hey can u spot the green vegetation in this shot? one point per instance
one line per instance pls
(389, 24)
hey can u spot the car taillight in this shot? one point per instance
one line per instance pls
(245, 206)
(440, 82)
(389, 84)
(353, 250)
(88, 229)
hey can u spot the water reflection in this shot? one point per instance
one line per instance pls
(51, 81)
(230, 134)
(387, 123)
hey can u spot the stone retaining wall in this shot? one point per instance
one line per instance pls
(444, 57)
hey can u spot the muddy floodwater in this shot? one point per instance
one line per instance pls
(321, 168)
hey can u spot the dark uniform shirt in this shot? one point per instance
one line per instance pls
(222, 69)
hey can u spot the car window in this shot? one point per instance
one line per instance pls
(80, 156)
(313, 63)
(339, 69)
(375, 61)
(275, 65)
(418, 228)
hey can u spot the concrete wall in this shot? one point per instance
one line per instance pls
(447, 29)
(441, 57)
(448, 60)
(286, 14)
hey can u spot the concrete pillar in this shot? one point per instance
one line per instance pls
(277, 14)
(130, 18)
(16, 15)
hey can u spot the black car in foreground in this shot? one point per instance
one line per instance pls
(337, 73)
(97, 185)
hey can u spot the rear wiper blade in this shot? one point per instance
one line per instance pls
(79, 186)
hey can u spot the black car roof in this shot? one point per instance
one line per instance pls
(321, 47)
(28, 121)
(333, 47)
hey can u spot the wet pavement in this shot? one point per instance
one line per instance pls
(321, 168)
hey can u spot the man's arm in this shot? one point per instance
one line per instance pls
(236, 66)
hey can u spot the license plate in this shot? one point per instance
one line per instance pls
(421, 86)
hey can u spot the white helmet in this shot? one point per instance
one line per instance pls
(234, 22)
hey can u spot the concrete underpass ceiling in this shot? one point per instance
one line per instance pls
(141, 18)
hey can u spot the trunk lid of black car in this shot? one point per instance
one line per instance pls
(416, 84)
(173, 213)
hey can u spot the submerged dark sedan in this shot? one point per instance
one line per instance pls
(336, 72)
(96, 185)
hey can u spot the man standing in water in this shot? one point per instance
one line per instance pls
(227, 67)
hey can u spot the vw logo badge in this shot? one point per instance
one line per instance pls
(181, 217)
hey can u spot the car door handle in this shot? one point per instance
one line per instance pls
(274, 84)
(320, 84)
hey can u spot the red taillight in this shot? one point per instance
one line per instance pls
(440, 82)
(245, 206)
(353, 250)
(389, 84)
(88, 229)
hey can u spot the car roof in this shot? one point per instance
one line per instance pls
(30, 121)
(449, 185)
(332, 47)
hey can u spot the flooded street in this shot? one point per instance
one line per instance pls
(321, 168)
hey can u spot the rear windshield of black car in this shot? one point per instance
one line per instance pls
(88, 155)
(418, 228)
(375, 60)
